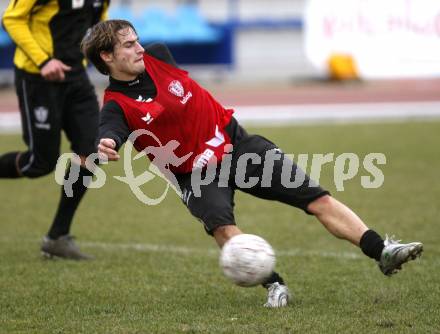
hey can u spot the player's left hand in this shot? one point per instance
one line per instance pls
(54, 70)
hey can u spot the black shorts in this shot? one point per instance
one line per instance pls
(49, 107)
(213, 203)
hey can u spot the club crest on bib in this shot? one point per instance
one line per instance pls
(176, 88)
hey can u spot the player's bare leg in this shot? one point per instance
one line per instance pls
(338, 219)
(224, 233)
(343, 223)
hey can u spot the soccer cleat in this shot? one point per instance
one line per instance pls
(277, 295)
(64, 247)
(395, 254)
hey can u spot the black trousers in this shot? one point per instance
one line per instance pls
(214, 204)
(46, 109)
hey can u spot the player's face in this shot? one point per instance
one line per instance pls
(127, 60)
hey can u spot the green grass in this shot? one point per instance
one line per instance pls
(157, 272)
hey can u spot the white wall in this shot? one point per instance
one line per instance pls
(260, 54)
(271, 55)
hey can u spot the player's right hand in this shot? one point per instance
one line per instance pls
(106, 149)
(54, 70)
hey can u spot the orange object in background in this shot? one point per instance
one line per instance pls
(342, 67)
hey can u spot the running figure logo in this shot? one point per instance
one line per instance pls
(164, 156)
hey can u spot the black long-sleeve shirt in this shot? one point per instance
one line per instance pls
(112, 123)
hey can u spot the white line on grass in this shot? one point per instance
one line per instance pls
(214, 252)
(182, 250)
(143, 247)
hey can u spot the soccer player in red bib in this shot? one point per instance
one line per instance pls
(148, 92)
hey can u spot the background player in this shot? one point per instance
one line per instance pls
(54, 94)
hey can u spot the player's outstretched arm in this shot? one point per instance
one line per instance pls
(113, 126)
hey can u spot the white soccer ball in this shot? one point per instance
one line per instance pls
(247, 259)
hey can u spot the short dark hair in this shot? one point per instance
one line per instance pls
(102, 37)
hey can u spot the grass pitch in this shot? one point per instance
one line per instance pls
(157, 272)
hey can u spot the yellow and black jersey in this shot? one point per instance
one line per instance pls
(45, 29)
